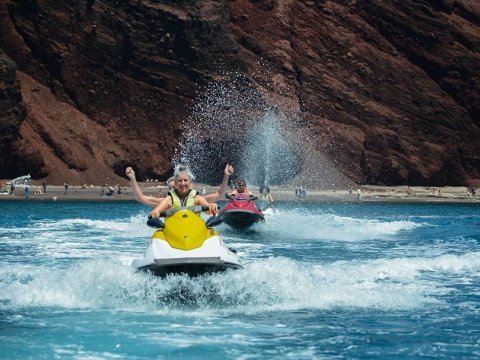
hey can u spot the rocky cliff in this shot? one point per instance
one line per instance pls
(387, 91)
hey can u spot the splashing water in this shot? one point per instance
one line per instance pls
(270, 156)
(231, 121)
(216, 129)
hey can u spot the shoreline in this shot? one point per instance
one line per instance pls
(378, 194)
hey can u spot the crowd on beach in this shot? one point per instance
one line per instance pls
(298, 192)
(108, 191)
(407, 191)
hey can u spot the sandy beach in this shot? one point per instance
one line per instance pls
(360, 194)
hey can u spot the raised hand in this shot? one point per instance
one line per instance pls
(130, 173)
(228, 170)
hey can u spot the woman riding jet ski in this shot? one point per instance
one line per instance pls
(240, 212)
(185, 243)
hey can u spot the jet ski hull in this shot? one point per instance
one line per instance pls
(241, 219)
(240, 212)
(190, 266)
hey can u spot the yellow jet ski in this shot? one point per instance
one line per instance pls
(185, 243)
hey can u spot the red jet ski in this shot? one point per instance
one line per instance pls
(241, 211)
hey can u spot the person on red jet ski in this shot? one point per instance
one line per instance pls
(241, 188)
(240, 212)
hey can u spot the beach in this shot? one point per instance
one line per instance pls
(362, 193)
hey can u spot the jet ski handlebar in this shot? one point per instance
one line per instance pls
(197, 209)
(159, 224)
(230, 197)
(155, 222)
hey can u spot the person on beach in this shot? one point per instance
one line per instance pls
(183, 194)
(44, 185)
(171, 183)
(154, 201)
(472, 190)
(265, 194)
(300, 192)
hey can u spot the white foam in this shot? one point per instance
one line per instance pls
(134, 226)
(81, 238)
(275, 284)
(334, 227)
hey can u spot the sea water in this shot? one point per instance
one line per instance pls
(321, 281)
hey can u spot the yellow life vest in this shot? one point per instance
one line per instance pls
(264, 196)
(189, 200)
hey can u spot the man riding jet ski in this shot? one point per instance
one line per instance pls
(185, 243)
(240, 212)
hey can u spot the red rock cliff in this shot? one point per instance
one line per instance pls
(389, 89)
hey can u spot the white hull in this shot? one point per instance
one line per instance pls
(161, 259)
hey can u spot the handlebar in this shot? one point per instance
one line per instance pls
(231, 197)
(155, 223)
(214, 221)
(196, 209)
(159, 224)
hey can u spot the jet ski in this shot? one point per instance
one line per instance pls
(186, 244)
(240, 212)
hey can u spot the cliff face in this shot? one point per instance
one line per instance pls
(388, 90)
(395, 85)
(12, 112)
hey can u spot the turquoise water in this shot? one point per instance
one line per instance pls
(321, 281)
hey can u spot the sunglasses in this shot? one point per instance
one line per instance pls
(241, 185)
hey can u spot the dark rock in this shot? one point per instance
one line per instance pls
(12, 115)
(397, 81)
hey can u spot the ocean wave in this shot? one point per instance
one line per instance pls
(334, 227)
(274, 284)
